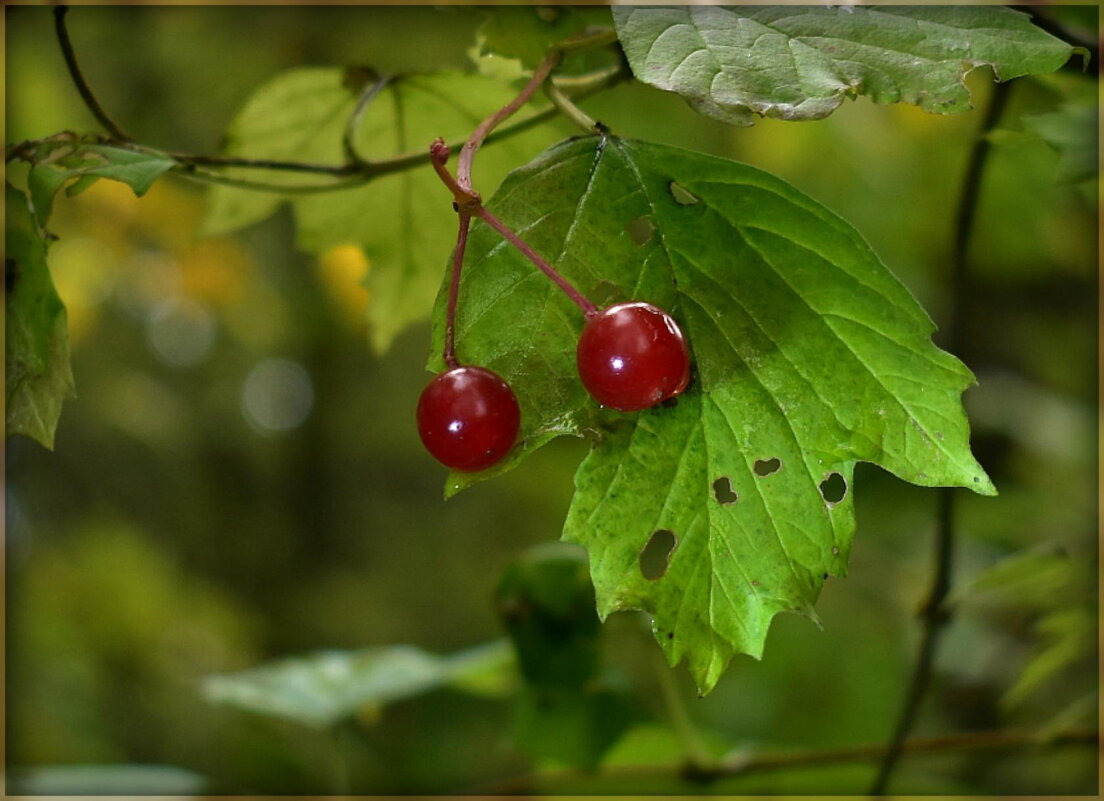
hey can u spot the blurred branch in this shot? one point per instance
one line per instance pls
(348, 142)
(356, 170)
(742, 764)
(78, 77)
(934, 613)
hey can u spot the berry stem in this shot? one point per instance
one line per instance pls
(454, 290)
(467, 152)
(589, 309)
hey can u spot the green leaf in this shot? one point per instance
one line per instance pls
(546, 602)
(37, 378)
(800, 62)
(73, 780)
(527, 33)
(320, 689)
(43, 182)
(572, 726)
(809, 356)
(1073, 132)
(138, 170)
(403, 220)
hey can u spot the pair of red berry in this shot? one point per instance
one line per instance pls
(630, 356)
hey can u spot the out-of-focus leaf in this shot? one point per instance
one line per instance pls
(138, 170)
(809, 356)
(321, 689)
(37, 375)
(1068, 636)
(567, 712)
(1029, 579)
(1073, 131)
(527, 33)
(43, 182)
(546, 602)
(800, 62)
(403, 221)
(576, 726)
(76, 780)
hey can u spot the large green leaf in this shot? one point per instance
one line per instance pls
(800, 62)
(401, 220)
(37, 375)
(809, 356)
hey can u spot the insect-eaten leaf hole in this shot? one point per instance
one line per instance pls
(682, 195)
(723, 492)
(834, 488)
(765, 467)
(640, 230)
(656, 555)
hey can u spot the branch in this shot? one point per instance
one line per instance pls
(934, 613)
(741, 764)
(356, 171)
(467, 152)
(78, 77)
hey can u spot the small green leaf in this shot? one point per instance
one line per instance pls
(320, 689)
(800, 62)
(38, 378)
(138, 170)
(527, 33)
(43, 182)
(402, 221)
(809, 356)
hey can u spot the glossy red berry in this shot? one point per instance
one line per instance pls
(468, 418)
(632, 356)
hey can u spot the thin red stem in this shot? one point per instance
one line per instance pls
(588, 308)
(454, 290)
(467, 152)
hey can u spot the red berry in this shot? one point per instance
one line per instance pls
(632, 356)
(468, 418)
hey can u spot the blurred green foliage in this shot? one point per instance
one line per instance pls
(184, 528)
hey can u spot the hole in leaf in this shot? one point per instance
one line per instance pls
(656, 555)
(764, 467)
(682, 195)
(834, 488)
(723, 492)
(640, 230)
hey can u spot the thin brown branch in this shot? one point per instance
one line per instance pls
(738, 765)
(934, 614)
(467, 152)
(78, 77)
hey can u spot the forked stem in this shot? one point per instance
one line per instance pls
(468, 204)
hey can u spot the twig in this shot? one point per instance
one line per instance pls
(697, 755)
(356, 170)
(562, 102)
(934, 613)
(454, 289)
(467, 152)
(78, 77)
(743, 764)
(348, 139)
